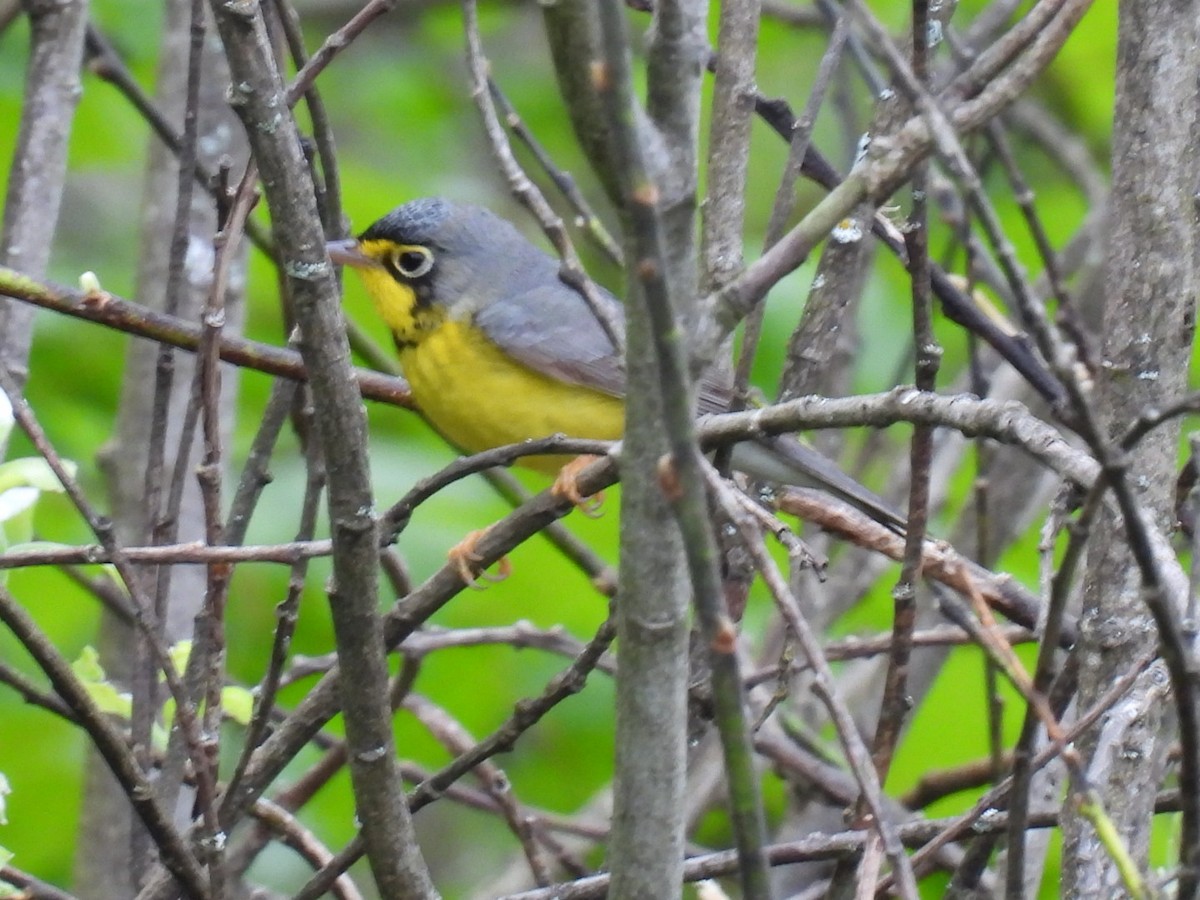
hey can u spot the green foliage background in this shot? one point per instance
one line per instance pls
(406, 127)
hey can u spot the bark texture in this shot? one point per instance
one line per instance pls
(1148, 330)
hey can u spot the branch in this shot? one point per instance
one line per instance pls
(658, 207)
(259, 97)
(111, 311)
(39, 164)
(111, 744)
(874, 179)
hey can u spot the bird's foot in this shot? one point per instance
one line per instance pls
(566, 486)
(466, 561)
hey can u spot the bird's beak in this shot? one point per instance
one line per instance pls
(347, 253)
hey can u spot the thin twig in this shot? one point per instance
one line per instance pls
(111, 745)
(526, 191)
(122, 315)
(304, 842)
(143, 611)
(824, 684)
(527, 714)
(895, 705)
(586, 218)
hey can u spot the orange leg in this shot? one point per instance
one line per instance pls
(466, 560)
(566, 485)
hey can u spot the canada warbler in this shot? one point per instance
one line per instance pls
(498, 350)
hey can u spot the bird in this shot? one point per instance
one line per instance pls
(498, 349)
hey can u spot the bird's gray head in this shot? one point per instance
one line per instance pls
(455, 254)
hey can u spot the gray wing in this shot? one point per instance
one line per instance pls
(551, 329)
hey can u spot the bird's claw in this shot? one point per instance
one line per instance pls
(566, 486)
(466, 559)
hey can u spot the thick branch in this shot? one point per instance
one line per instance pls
(260, 98)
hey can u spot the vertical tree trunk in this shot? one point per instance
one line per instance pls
(35, 182)
(106, 822)
(1148, 328)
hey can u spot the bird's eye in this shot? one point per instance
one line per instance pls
(412, 262)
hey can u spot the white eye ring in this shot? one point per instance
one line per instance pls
(412, 262)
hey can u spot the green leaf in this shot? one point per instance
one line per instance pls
(179, 654)
(158, 738)
(21, 483)
(103, 693)
(87, 667)
(7, 889)
(6, 417)
(17, 500)
(238, 704)
(110, 700)
(29, 471)
(17, 528)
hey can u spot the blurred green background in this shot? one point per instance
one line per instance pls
(406, 127)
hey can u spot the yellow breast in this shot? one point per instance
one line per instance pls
(478, 398)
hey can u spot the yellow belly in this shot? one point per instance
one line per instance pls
(478, 398)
